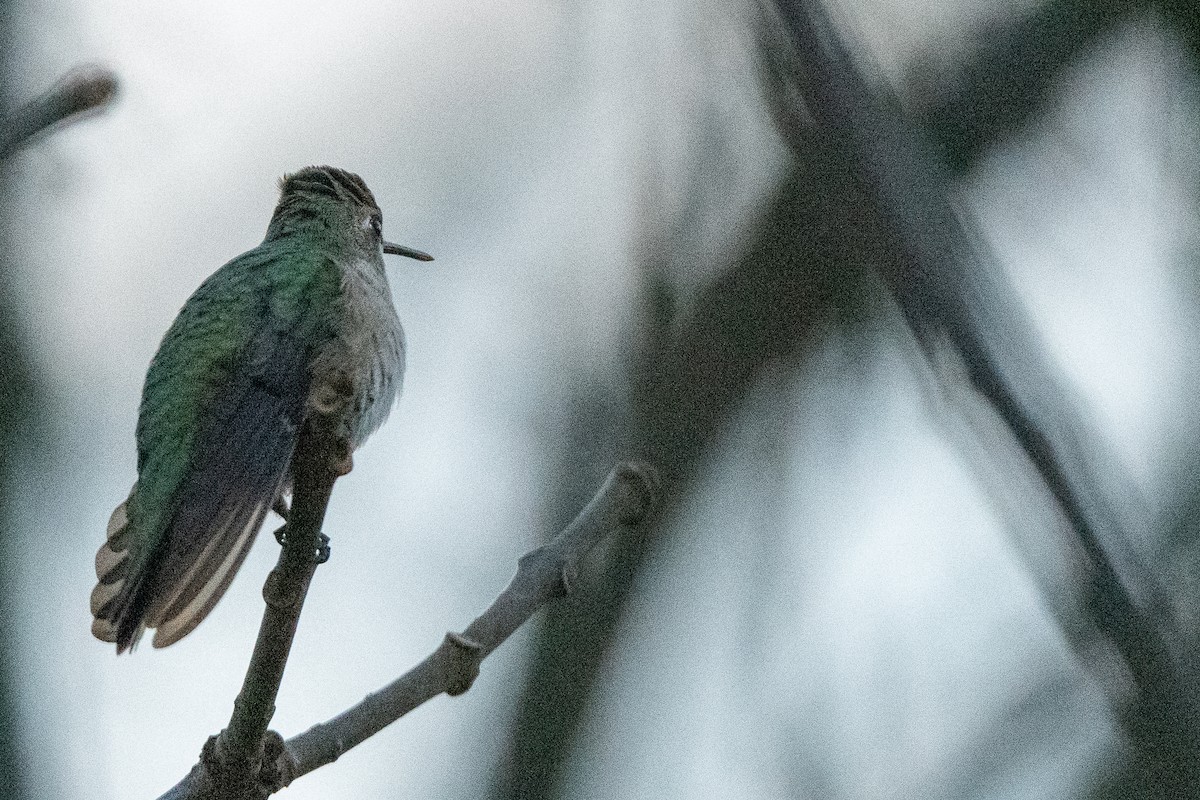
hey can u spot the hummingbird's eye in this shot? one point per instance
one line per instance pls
(373, 223)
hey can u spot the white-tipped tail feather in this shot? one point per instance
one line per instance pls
(204, 584)
(112, 569)
(175, 615)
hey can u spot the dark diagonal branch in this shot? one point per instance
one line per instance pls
(625, 501)
(1015, 64)
(81, 91)
(954, 297)
(861, 191)
(1011, 74)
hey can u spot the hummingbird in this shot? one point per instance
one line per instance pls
(254, 350)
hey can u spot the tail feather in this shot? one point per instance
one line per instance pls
(123, 609)
(111, 595)
(206, 583)
(113, 555)
(104, 597)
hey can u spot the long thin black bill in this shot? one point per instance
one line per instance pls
(401, 250)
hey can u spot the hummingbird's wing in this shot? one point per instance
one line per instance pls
(240, 463)
(221, 411)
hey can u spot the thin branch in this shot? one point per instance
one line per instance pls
(240, 762)
(625, 501)
(313, 476)
(83, 91)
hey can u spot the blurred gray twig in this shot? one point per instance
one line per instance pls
(82, 91)
(22, 394)
(864, 189)
(626, 500)
(690, 378)
(1011, 75)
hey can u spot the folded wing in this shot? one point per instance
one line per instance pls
(237, 465)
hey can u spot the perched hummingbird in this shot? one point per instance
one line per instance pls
(228, 391)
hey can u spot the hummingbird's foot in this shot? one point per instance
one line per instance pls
(344, 465)
(320, 554)
(280, 507)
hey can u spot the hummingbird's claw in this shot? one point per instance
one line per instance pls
(280, 507)
(322, 554)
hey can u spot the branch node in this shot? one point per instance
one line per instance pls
(208, 756)
(227, 775)
(278, 766)
(550, 559)
(464, 655)
(279, 591)
(645, 485)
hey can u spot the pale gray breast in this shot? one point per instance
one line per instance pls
(368, 346)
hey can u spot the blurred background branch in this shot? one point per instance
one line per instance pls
(686, 378)
(863, 189)
(947, 290)
(83, 91)
(22, 398)
(1015, 68)
(18, 398)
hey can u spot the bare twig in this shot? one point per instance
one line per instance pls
(626, 499)
(83, 90)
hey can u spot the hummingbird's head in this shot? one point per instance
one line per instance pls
(335, 206)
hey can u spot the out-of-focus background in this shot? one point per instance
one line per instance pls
(912, 335)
